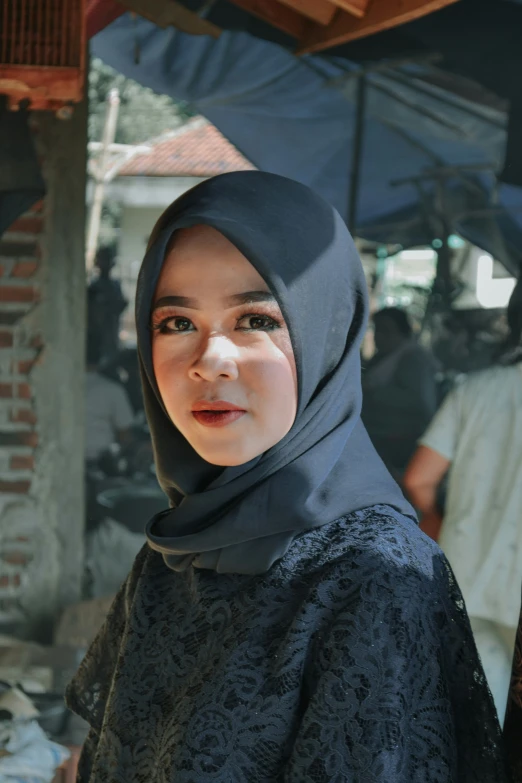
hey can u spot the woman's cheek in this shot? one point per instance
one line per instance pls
(280, 387)
(284, 346)
(168, 371)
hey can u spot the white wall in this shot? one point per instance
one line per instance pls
(149, 191)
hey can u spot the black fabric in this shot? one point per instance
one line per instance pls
(21, 183)
(512, 171)
(244, 518)
(513, 721)
(350, 661)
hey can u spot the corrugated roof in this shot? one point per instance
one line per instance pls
(197, 149)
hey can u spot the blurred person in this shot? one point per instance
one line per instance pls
(110, 547)
(399, 390)
(108, 414)
(477, 437)
(129, 374)
(106, 303)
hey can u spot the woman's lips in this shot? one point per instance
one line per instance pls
(216, 414)
(217, 418)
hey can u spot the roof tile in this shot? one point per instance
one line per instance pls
(198, 149)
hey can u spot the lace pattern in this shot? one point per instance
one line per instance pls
(352, 660)
(513, 721)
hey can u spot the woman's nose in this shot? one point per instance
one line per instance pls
(218, 359)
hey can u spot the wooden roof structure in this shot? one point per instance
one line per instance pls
(321, 24)
(42, 42)
(315, 25)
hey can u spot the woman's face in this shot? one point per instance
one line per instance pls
(222, 354)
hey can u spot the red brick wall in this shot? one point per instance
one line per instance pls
(20, 349)
(42, 369)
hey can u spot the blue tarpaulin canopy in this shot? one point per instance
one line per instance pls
(428, 154)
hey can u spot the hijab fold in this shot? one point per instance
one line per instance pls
(242, 519)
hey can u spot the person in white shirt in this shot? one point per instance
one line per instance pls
(108, 413)
(477, 437)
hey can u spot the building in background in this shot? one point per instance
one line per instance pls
(149, 182)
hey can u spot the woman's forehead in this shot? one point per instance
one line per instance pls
(201, 258)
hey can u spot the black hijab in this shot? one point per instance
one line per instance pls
(242, 519)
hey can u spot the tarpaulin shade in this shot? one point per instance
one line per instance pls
(296, 117)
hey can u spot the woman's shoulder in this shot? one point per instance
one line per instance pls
(379, 531)
(372, 545)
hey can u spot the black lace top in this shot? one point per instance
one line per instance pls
(513, 721)
(350, 660)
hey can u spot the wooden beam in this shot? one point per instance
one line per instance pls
(278, 15)
(357, 8)
(381, 15)
(319, 11)
(169, 12)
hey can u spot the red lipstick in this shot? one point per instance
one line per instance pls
(216, 414)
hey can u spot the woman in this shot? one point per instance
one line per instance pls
(287, 621)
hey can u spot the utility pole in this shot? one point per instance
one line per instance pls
(109, 133)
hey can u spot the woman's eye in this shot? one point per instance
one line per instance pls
(177, 324)
(257, 323)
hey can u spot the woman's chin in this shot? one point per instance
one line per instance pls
(226, 463)
(226, 457)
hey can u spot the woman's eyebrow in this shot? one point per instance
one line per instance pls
(176, 301)
(250, 296)
(232, 301)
